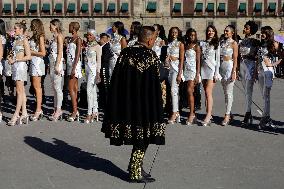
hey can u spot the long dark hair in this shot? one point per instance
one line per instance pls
(233, 29)
(38, 30)
(136, 29)
(187, 39)
(2, 28)
(253, 26)
(179, 38)
(120, 28)
(215, 40)
(268, 31)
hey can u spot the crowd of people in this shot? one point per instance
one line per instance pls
(186, 63)
(139, 78)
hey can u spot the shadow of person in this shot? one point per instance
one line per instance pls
(75, 157)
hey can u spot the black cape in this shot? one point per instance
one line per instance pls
(134, 114)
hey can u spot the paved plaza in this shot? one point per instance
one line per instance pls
(63, 155)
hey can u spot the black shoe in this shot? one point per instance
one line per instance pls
(143, 173)
(247, 120)
(263, 122)
(143, 180)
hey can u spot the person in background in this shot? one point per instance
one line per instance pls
(2, 61)
(266, 62)
(191, 71)
(74, 69)
(106, 57)
(56, 67)
(209, 68)
(175, 58)
(37, 67)
(117, 43)
(248, 48)
(134, 32)
(21, 54)
(228, 69)
(93, 66)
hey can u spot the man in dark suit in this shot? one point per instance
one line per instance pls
(107, 54)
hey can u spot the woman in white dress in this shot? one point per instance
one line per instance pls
(175, 57)
(117, 43)
(191, 70)
(74, 69)
(210, 63)
(21, 54)
(37, 66)
(56, 67)
(93, 66)
(228, 69)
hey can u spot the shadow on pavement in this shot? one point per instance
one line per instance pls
(75, 157)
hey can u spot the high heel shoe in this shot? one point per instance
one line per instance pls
(248, 120)
(89, 119)
(14, 121)
(228, 121)
(95, 116)
(37, 116)
(24, 119)
(176, 119)
(193, 121)
(207, 123)
(71, 119)
(56, 116)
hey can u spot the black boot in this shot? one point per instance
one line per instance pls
(247, 120)
(135, 169)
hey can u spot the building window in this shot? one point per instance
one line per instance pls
(33, 8)
(86, 26)
(210, 23)
(210, 7)
(222, 7)
(272, 7)
(177, 7)
(187, 25)
(199, 7)
(84, 7)
(58, 7)
(46, 7)
(20, 8)
(124, 7)
(258, 7)
(7, 8)
(151, 6)
(71, 8)
(242, 7)
(98, 7)
(111, 7)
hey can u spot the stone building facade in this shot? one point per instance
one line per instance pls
(100, 14)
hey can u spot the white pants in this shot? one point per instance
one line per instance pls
(92, 95)
(228, 87)
(56, 81)
(174, 89)
(265, 84)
